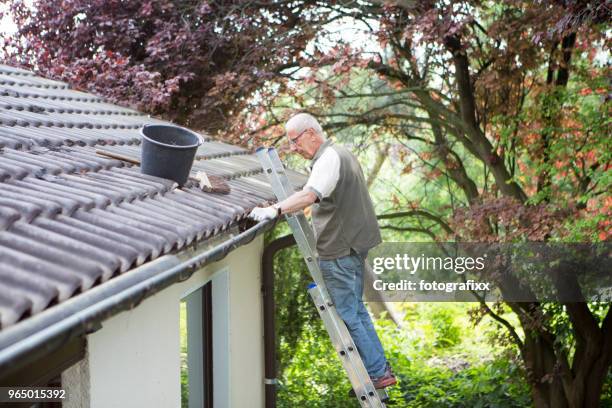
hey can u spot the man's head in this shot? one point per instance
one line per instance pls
(305, 135)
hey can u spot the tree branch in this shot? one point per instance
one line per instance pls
(417, 213)
(381, 156)
(482, 146)
(410, 229)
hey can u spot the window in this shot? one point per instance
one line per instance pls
(197, 348)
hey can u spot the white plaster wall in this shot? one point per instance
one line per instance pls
(246, 332)
(76, 381)
(134, 361)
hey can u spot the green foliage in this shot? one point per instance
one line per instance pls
(446, 332)
(494, 384)
(467, 373)
(294, 309)
(184, 372)
(606, 395)
(314, 377)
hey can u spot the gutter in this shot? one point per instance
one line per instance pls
(46, 332)
(267, 270)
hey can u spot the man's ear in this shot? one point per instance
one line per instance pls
(312, 135)
(316, 137)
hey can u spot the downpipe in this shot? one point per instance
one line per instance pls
(267, 270)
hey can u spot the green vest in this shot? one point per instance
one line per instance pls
(346, 219)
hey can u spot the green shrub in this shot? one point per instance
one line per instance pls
(437, 366)
(314, 378)
(446, 332)
(493, 384)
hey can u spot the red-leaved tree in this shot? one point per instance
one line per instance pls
(193, 62)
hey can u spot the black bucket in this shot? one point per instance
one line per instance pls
(168, 151)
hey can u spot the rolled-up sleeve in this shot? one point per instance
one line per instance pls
(325, 174)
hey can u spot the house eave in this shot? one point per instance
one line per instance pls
(46, 332)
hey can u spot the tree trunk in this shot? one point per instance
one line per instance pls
(381, 156)
(593, 384)
(543, 365)
(379, 306)
(540, 361)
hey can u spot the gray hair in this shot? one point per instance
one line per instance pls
(303, 121)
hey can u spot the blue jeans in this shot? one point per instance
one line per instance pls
(344, 279)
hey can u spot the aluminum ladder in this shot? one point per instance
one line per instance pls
(368, 396)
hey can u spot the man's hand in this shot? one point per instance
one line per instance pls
(261, 214)
(295, 202)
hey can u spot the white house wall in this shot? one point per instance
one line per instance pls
(134, 360)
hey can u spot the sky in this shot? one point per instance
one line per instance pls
(7, 26)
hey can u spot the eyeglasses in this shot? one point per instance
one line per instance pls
(293, 141)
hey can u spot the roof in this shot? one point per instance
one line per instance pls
(71, 219)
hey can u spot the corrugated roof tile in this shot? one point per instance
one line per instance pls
(103, 265)
(23, 284)
(66, 278)
(125, 253)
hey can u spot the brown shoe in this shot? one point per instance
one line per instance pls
(386, 380)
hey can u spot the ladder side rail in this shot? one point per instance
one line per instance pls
(348, 353)
(280, 191)
(309, 256)
(282, 188)
(279, 169)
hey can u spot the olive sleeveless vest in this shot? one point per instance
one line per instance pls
(346, 219)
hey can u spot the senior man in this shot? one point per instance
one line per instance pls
(345, 228)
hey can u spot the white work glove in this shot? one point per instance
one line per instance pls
(261, 214)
